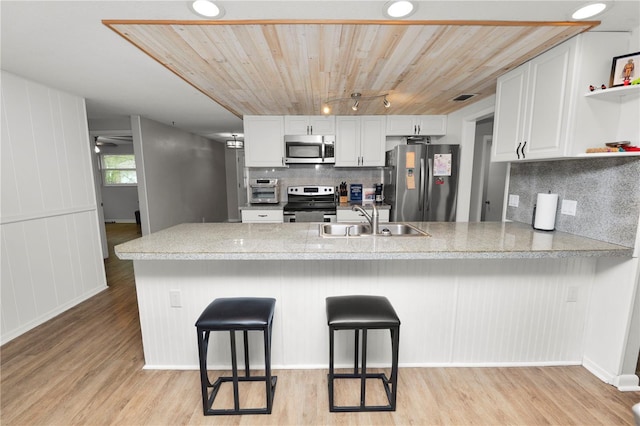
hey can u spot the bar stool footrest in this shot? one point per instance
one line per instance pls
(228, 411)
(351, 408)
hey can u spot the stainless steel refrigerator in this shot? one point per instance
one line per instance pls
(421, 182)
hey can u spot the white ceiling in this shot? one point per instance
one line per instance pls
(63, 44)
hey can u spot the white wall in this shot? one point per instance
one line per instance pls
(50, 248)
(181, 176)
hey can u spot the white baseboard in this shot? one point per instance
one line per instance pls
(119, 221)
(598, 371)
(5, 338)
(627, 383)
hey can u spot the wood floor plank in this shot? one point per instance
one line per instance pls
(85, 367)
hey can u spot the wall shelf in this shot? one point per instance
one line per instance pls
(616, 93)
(608, 154)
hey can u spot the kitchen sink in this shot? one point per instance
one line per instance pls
(385, 229)
(345, 229)
(400, 229)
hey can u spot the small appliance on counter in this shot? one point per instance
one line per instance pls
(264, 191)
(378, 192)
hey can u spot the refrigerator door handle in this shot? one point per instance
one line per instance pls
(422, 182)
(429, 185)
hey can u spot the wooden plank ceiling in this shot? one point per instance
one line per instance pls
(294, 67)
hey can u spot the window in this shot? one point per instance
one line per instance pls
(119, 169)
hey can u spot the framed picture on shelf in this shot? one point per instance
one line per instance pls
(624, 68)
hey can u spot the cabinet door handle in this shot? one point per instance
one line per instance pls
(518, 150)
(522, 150)
(415, 129)
(310, 130)
(419, 129)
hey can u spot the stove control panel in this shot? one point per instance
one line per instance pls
(310, 190)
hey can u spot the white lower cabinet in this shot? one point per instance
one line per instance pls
(262, 216)
(360, 141)
(354, 216)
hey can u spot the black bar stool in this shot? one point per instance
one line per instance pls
(363, 313)
(235, 314)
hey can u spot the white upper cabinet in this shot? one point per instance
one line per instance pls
(264, 140)
(423, 125)
(309, 125)
(360, 141)
(541, 110)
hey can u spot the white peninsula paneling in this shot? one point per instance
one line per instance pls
(50, 247)
(453, 312)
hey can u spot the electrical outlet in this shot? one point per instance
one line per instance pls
(572, 294)
(569, 207)
(175, 299)
(514, 200)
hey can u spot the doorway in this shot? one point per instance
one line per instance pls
(488, 178)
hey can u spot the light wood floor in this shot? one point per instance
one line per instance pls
(85, 367)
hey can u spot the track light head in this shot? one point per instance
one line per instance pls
(385, 102)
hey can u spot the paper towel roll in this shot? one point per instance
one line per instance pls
(546, 206)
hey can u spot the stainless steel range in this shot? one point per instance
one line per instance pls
(312, 203)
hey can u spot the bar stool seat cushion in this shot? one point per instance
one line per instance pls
(237, 313)
(361, 311)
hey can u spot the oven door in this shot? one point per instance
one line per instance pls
(264, 194)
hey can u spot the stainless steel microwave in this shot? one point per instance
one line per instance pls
(310, 149)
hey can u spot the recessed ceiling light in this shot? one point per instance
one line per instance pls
(207, 9)
(399, 9)
(588, 11)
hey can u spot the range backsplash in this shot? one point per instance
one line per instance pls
(303, 174)
(607, 191)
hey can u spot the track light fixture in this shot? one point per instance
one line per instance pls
(356, 98)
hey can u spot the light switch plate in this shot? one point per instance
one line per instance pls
(514, 200)
(175, 299)
(569, 207)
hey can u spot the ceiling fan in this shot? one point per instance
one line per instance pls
(112, 140)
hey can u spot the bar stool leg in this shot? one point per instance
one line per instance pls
(203, 343)
(234, 370)
(246, 354)
(355, 351)
(363, 375)
(267, 368)
(395, 343)
(331, 373)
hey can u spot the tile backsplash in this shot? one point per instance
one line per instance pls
(308, 174)
(607, 192)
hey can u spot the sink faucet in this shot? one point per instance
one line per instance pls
(372, 218)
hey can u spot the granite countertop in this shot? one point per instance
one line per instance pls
(301, 241)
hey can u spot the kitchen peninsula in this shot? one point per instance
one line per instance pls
(468, 294)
